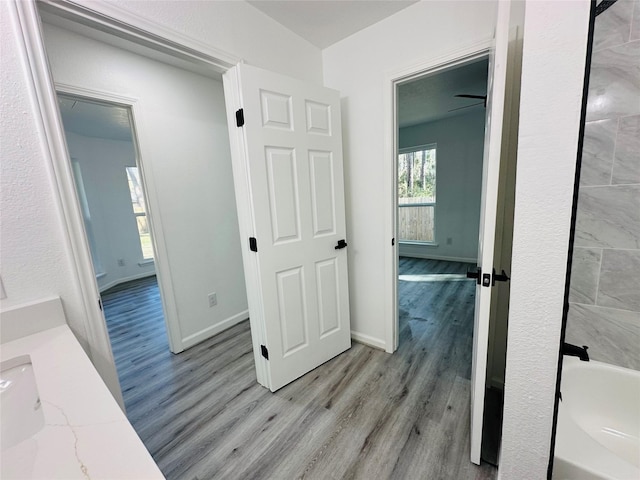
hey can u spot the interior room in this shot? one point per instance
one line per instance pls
(52, 320)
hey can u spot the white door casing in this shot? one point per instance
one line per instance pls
(288, 174)
(496, 89)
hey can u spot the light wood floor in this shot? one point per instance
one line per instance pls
(363, 415)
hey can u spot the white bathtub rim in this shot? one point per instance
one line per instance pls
(570, 362)
(602, 462)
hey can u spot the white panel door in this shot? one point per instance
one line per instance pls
(496, 91)
(288, 174)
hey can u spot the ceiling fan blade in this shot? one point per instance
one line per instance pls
(467, 106)
(464, 95)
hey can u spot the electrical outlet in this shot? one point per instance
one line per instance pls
(449, 240)
(121, 262)
(213, 299)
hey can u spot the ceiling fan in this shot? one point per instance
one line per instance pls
(465, 95)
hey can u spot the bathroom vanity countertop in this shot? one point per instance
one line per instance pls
(86, 434)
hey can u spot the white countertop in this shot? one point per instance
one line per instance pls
(86, 435)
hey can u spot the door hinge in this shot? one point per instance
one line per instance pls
(100, 304)
(393, 242)
(264, 351)
(240, 117)
(253, 244)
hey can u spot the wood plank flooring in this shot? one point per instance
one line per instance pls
(365, 414)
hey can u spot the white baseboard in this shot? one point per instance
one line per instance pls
(430, 256)
(212, 330)
(368, 340)
(118, 281)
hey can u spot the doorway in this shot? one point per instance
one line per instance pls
(107, 172)
(109, 184)
(440, 123)
(440, 150)
(440, 120)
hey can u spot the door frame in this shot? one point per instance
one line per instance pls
(161, 259)
(109, 19)
(416, 70)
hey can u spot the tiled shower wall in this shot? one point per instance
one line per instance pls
(604, 311)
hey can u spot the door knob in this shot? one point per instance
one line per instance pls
(341, 244)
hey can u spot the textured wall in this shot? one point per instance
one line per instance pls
(553, 66)
(604, 310)
(34, 250)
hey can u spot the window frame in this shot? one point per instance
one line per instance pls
(405, 150)
(144, 260)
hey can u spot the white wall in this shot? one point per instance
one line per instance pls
(184, 148)
(460, 141)
(35, 255)
(232, 26)
(102, 163)
(554, 51)
(357, 67)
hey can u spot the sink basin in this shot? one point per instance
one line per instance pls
(20, 409)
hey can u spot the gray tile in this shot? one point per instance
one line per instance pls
(608, 217)
(619, 285)
(584, 275)
(614, 25)
(635, 22)
(613, 336)
(626, 167)
(614, 82)
(597, 152)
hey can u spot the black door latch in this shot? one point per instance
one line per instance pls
(477, 273)
(341, 244)
(501, 277)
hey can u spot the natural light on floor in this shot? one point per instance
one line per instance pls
(435, 277)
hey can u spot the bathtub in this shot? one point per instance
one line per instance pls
(598, 431)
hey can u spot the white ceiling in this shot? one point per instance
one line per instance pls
(325, 22)
(95, 119)
(433, 97)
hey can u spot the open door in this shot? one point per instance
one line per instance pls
(286, 145)
(486, 275)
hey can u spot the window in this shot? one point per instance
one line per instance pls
(417, 194)
(140, 211)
